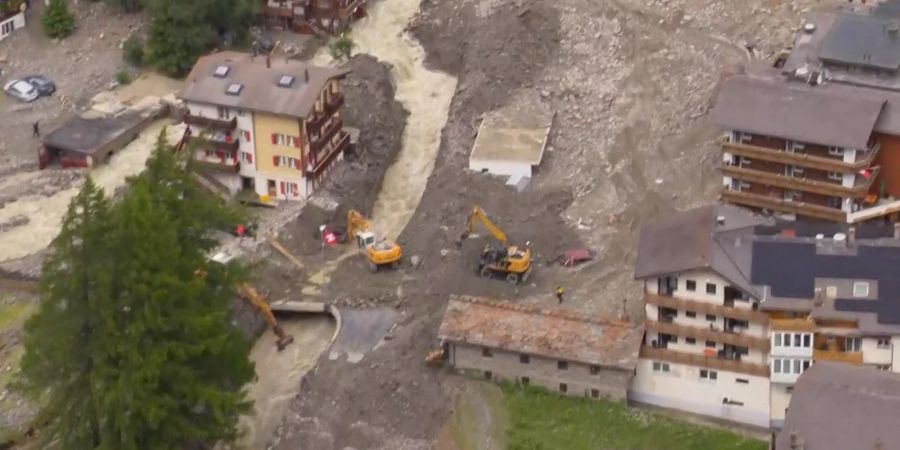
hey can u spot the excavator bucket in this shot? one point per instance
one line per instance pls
(282, 339)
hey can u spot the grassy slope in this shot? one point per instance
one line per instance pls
(543, 421)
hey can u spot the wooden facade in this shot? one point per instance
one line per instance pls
(319, 17)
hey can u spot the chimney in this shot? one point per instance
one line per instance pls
(720, 221)
(896, 230)
(306, 74)
(851, 235)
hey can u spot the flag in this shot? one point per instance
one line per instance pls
(329, 238)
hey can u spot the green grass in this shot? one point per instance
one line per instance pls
(540, 420)
(14, 314)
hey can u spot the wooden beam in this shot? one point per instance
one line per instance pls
(280, 248)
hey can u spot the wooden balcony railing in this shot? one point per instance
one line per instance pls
(706, 308)
(345, 12)
(229, 165)
(706, 334)
(318, 144)
(710, 362)
(778, 204)
(801, 159)
(798, 324)
(800, 184)
(207, 122)
(275, 11)
(322, 163)
(838, 356)
(215, 144)
(334, 103)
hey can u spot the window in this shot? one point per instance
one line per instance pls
(286, 81)
(860, 289)
(488, 375)
(246, 135)
(777, 338)
(728, 401)
(285, 161)
(595, 393)
(234, 89)
(835, 151)
(710, 317)
(224, 113)
(884, 342)
(710, 288)
(278, 139)
(837, 176)
(797, 366)
(563, 388)
(222, 71)
(776, 366)
(852, 344)
(789, 389)
(525, 381)
(486, 352)
(562, 365)
(524, 359)
(708, 374)
(884, 367)
(807, 340)
(797, 339)
(690, 314)
(710, 344)
(690, 285)
(292, 141)
(690, 340)
(806, 364)
(595, 370)
(741, 381)
(660, 367)
(745, 161)
(247, 157)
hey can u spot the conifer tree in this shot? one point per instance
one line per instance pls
(57, 21)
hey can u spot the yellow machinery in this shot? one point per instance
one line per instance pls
(378, 253)
(282, 339)
(509, 261)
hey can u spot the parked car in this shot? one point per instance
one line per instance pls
(21, 90)
(42, 83)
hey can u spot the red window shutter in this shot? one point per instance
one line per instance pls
(296, 189)
(247, 136)
(274, 139)
(250, 158)
(297, 142)
(275, 161)
(282, 187)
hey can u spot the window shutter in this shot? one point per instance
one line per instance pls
(297, 142)
(296, 189)
(282, 187)
(250, 158)
(275, 161)
(274, 139)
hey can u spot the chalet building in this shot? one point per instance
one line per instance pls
(840, 407)
(273, 126)
(563, 352)
(737, 312)
(319, 17)
(12, 16)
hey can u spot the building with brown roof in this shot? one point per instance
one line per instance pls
(565, 352)
(319, 17)
(738, 306)
(841, 407)
(273, 125)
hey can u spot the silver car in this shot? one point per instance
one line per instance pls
(21, 90)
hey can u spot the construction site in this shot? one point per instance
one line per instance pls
(600, 112)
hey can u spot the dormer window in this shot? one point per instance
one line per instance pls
(860, 289)
(234, 89)
(286, 81)
(222, 71)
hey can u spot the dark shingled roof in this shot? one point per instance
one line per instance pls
(838, 406)
(693, 240)
(790, 268)
(793, 111)
(260, 90)
(86, 136)
(863, 40)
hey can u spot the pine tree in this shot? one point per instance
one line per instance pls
(58, 22)
(60, 338)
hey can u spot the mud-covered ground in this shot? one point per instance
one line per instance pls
(631, 82)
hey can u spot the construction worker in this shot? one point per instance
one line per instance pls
(559, 293)
(35, 130)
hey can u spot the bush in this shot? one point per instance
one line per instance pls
(58, 22)
(123, 77)
(342, 47)
(133, 50)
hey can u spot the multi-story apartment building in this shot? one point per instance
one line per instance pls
(320, 17)
(12, 16)
(737, 311)
(569, 353)
(271, 125)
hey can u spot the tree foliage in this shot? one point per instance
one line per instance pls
(57, 21)
(181, 31)
(130, 6)
(132, 347)
(341, 47)
(133, 50)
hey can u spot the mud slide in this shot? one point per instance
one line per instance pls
(45, 214)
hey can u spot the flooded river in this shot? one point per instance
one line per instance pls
(45, 214)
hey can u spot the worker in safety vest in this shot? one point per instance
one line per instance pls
(559, 293)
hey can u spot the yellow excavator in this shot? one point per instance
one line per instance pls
(282, 339)
(378, 253)
(508, 261)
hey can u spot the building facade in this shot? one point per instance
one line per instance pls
(12, 16)
(319, 17)
(561, 352)
(271, 126)
(737, 311)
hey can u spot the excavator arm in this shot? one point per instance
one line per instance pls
(282, 339)
(356, 222)
(479, 215)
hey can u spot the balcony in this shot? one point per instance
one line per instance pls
(795, 324)
(697, 360)
(706, 308)
(9, 8)
(707, 334)
(859, 190)
(781, 205)
(346, 12)
(214, 124)
(277, 11)
(335, 103)
(228, 165)
(318, 144)
(834, 354)
(217, 141)
(338, 148)
(801, 159)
